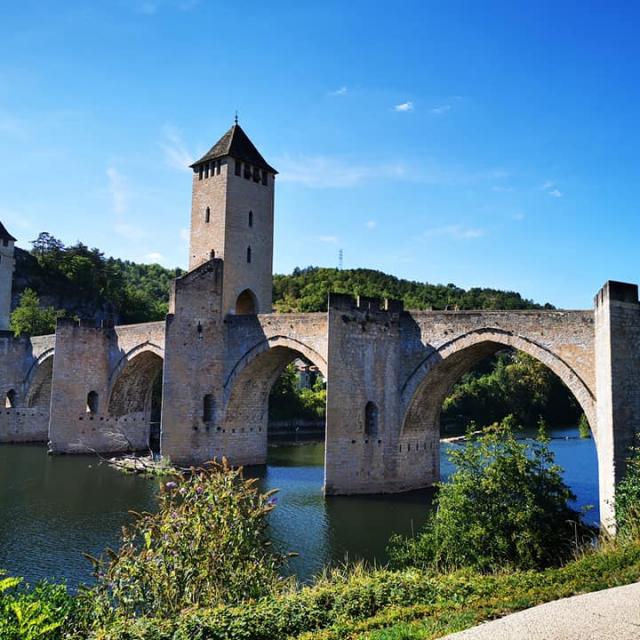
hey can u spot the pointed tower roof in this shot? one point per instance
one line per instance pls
(5, 235)
(236, 143)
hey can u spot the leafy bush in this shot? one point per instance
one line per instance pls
(506, 505)
(206, 545)
(627, 502)
(38, 613)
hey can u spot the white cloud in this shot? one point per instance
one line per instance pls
(518, 216)
(322, 171)
(120, 196)
(441, 110)
(342, 91)
(185, 236)
(371, 224)
(404, 106)
(129, 231)
(328, 239)
(154, 257)
(550, 188)
(119, 190)
(455, 232)
(176, 154)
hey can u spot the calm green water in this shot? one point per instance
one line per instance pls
(54, 508)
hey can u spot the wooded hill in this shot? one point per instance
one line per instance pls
(82, 282)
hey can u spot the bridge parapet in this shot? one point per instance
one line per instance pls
(346, 302)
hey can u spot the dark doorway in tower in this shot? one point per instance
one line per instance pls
(297, 404)
(246, 304)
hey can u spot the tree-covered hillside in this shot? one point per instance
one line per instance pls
(307, 290)
(78, 281)
(81, 282)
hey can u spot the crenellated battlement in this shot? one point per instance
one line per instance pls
(614, 291)
(346, 302)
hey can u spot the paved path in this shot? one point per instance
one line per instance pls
(611, 614)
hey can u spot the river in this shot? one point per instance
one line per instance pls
(52, 509)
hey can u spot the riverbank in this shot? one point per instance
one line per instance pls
(376, 604)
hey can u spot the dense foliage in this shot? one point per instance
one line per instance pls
(627, 504)
(205, 546)
(308, 290)
(506, 505)
(511, 383)
(85, 283)
(31, 318)
(45, 612)
(289, 401)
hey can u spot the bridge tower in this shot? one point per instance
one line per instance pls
(232, 219)
(7, 263)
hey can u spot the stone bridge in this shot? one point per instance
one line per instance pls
(91, 389)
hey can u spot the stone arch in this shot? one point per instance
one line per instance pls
(246, 303)
(425, 389)
(131, 382)
(39, 380)
(247, 387)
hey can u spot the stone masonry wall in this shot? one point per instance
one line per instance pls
(363, 366)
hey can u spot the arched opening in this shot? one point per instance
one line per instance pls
(10, 399)
(371, 419)
(297, 404)
(246, 304)
(278, 393)
(207, 215)
(92, 402)
(480, 382)
(136, 401)
(39, 385)
(251, 218)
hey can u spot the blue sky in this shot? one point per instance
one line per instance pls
(479, 143)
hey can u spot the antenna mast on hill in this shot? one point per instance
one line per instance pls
(340, 256)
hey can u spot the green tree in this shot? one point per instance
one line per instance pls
(30, 318)
(506, 505)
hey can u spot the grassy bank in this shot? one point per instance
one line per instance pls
(388, 605)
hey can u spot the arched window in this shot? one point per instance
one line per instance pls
(208, 408)
(371, 419)
(207, 215)
(248, 254)
(92, 402)
(251, 218)
(10, 400)
(246, 304)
